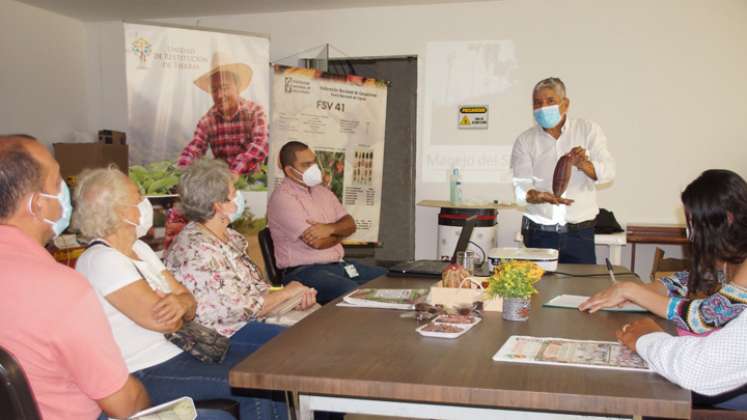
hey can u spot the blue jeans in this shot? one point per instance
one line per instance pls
(331, 280)
(209, 414)
(737, 403)
(575, 247)
(184, 375)
(735, 399)
(252, 336)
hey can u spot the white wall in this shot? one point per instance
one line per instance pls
(43, 73)
(664, 79)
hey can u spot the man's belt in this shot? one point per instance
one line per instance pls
(528, 224)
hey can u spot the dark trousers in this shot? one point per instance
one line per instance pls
(330, 280)
(574, 246)
(732, 400)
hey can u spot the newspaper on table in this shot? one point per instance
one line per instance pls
(404, 299)
(565, 352)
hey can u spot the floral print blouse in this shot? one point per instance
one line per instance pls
(227, 285)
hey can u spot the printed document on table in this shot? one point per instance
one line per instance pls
(565, 352)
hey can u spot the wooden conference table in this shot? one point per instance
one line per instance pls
(372, 361)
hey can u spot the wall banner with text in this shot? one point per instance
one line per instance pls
(194, 93)
(342, 118)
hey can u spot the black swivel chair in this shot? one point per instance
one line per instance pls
(16, 399)
(268, 254)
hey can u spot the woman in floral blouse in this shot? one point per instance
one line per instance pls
(210, 259)
(714, 292)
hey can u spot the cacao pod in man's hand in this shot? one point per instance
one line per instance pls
(562, 175)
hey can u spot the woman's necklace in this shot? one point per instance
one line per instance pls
(205, 227)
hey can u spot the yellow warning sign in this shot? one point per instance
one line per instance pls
(473, 116)
(473, 110)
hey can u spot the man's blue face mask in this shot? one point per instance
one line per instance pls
(548, 116)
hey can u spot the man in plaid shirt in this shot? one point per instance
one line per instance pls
(234, 128)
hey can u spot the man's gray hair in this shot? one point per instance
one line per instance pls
(98, 193)
(203, 184)
(553, 83)
(20, 173)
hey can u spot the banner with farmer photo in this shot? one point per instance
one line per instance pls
(342, 118)
(195, 93)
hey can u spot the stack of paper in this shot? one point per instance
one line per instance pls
(286, 313)
(292, 317)
(288, 305)
(404, 299)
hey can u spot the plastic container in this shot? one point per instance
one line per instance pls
(455, 187)
(457, 329)
(546, 258)
(484, 235)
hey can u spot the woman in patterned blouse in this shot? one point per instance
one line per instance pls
(715, 290)
(210, 259)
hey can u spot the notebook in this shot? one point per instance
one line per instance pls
(572, 301)
(434, 268)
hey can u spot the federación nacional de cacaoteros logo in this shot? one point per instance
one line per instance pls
(142, 49)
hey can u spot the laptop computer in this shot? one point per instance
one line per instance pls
(434, 268)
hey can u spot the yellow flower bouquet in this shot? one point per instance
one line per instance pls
(514, 279)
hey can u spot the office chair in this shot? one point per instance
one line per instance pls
(16, 399)
(268, 254)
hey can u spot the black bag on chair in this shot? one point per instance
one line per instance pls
(203, 343)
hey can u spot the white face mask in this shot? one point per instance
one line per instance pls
(240, 204)
(63, 197)
(146, 218)
(311, 176)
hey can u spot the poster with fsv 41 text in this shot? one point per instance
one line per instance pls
(342, 118)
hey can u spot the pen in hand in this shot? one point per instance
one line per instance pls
(611, 271)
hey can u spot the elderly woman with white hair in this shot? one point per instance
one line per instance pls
(142, 299)
(210, 259)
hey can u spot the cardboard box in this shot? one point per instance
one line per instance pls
(75, 157)
(112, 137)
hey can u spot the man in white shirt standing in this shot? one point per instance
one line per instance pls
(714, 365)
(565, 223)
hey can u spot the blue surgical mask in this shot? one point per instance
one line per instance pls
(240, 206)
(63, 197)
(548, 116)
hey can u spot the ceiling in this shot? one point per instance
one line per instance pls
(101, 10)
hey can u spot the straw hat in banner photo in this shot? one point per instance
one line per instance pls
(222, 61)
